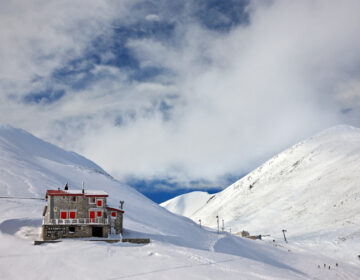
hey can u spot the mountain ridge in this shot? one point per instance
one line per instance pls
(309, 189)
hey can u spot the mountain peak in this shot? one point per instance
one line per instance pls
(310, 188)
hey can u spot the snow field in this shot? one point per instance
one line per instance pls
(179, 248)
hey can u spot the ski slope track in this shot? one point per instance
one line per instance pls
(179, 248)
(311, 189)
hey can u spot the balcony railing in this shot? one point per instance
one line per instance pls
(80, 221)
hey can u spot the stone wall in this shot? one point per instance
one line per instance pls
(52, 232)
(119, 223)
(82, 206)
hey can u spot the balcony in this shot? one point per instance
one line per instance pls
(80, 221)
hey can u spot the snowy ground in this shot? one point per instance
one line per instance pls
(227, 257)
(179, 248)
(215, 255)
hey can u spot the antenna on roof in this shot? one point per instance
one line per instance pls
(83, 188)
(66, 187)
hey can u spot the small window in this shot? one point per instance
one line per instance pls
(99, 202)
(63, 215)
(73, 198)
(71, 229)
(92, 200)
(72, 214)
(99, 214)
(113, 214)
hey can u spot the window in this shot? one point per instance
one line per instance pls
(113, 214)
(63, 214)
(99, 214)
(73, 198)
(99, 202)
(92, 200)
(72, 214)
(92, 216)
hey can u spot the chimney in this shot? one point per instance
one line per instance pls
(83, 188)
(66, 187)
(122, 204)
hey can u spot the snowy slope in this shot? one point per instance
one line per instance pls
(30, 166)
(179, 248)
(312, 190)
(187, 204)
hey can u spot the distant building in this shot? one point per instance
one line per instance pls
(79, 213)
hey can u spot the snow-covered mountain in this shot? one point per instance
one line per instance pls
(179, 248)
(187, 204)
(30, 166)
(312, 190)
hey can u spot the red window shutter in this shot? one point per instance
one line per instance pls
(92, 214)
(99, 213)
(63, 215)
(72, 215)
(113, 214)
(99, 203)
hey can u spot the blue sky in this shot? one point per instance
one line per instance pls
(172, 96)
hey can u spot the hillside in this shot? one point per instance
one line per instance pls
(179, 248)
(312, 190)
(187, 204)
(30, 166)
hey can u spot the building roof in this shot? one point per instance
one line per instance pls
(115, 209)
(88, 193)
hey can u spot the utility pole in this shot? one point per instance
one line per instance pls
(284, 230)
(223, 226)
(218, 228)
(200, 222)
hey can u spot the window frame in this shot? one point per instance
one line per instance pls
(101, 202)
(72, 211)
(66, 213)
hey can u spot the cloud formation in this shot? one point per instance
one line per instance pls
(157, 90)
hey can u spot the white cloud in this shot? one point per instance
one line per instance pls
(233, 99)
(152, 17)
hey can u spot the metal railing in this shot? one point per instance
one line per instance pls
(81, 221)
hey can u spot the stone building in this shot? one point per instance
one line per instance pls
(79, 213)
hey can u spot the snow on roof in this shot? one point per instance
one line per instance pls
(76, 192)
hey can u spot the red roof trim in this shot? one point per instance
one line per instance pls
(114, 209)
(64, 193)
